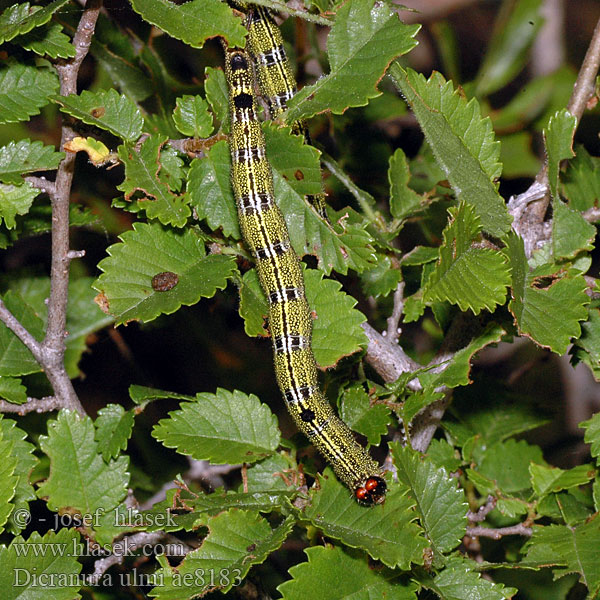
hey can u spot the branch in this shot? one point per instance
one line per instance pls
(500, 532)
(529, 217)
(388, 359)
(50, 353)
(585, 84)
(39, 405)
(41, 183)
(393, 322)
(483, 511)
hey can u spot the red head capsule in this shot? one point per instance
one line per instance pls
(361, 494)
(372, 492)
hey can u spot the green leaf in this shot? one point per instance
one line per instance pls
(340, 248)
(141, 394)
(356, 411)
(575, 548)
(267, 474)
(147, 172)
(13, 390)
(458, 581)
(48, 41)
(420, 255)
(24, 156)
(547, 308)
(113, 428)
(503, 415)
(559, 145)
(462, 142)
(24, 90)
(193, 22)
(8, 478)
(337, 330)
(517, 157)
(105, 109)
(581, 180)
(236, 540)
(192, 116)
(571, 233)
(254, 308)
(508, 463)
(442, 454)
(21, 18)
(381, 279)
(592, 434)
(84, 317)
(467, 274)
(388, 533)
(587, 347)
(126, 282)
(545, 480)
(189, 511)
(440, 503)
(15, 200)
(340, 574)
(52, 558)
(80, 480)
(459, 368)
(15, 358)
(226, 427)
(211, 195)
(116, 54)
(364, 39)
(508, 52)
(404, 202)
(217, 94)
(22, 451)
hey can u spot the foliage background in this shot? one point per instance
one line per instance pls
(198, 349)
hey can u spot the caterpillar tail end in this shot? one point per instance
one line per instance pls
(372, 491)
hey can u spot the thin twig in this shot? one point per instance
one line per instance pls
(39, 405)
(584, 87)
(41, 183)
(500, 532)
(393, 331)
(482, 513)
(21, 332)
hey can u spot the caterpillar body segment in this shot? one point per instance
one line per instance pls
(274, 73)
(280, 273)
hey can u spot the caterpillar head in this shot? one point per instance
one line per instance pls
(372, 491)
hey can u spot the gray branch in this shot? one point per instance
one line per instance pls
(50, 352)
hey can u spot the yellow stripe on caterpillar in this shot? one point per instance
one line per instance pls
(280, 273)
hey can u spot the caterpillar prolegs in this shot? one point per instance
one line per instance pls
(280, 273)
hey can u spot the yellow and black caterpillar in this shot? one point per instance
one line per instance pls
(280, 273)
(275, 76)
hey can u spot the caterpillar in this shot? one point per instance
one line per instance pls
(275, 76)
(280, 273)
